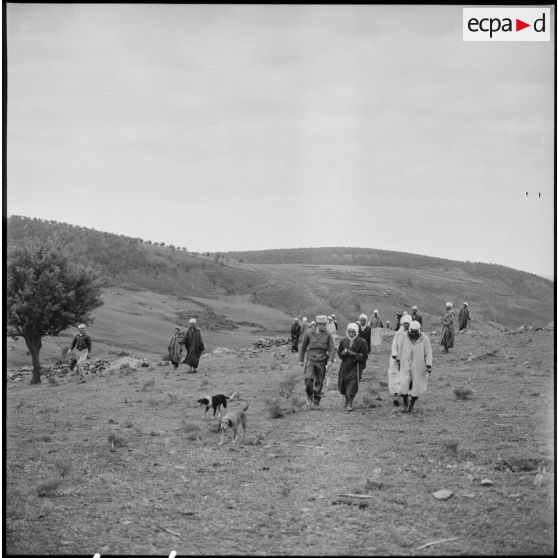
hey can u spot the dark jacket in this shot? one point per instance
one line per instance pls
(417, 317)
(365, 334)
(81, 342)
(295, 330)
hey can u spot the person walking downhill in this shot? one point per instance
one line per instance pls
(363, 333)
(447, 334)
(175, 347)
(82, 345)
(398, 323)
(318, 346)
(464, 317)
(303, 330)
(295, 335)
(416, 365)
(394, 381)
(375, 326)
(415, 315)
(353, 352)
(332, 329)
(194, 345)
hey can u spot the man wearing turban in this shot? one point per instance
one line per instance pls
(416, 365)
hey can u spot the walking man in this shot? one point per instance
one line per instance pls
(364, 333)
(319, 347)
(295, 335)
(194, 345)
(394, 381)
(82, 344)
(416, 365)
(447, 334)
(416, 316)
(464, 316)
(175, 347)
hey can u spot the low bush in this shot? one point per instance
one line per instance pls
(463, 393)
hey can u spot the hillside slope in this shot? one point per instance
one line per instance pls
(259, 292)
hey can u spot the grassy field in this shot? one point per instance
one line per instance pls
(124, 464)
(143, 322)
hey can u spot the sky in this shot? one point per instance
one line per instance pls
(241, 127)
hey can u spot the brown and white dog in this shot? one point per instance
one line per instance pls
(232, 420)
(215, 402)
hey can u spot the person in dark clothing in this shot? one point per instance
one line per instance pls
(295, 335)
(335, 322)
(353, 352)
(194, 345)
(364, 332)
(415, 315)
(175, 347)
(82, 344)
(464, 317)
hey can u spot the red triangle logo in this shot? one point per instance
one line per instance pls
(519, 25)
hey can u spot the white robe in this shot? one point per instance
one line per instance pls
(415, 357)
(394, 382)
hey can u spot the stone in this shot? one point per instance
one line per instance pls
(469, 495)
(373, 484)
(486, 482)
(442, 494)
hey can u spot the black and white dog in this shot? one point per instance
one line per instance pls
(215, 402)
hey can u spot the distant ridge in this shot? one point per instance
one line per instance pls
(383, 258)
(305, 281)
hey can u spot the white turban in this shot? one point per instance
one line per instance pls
(363, 316)
(414, 308)
(352, 326)
(449, 304)
(465, 304)
(415, 325)
(192, 321)
(81, 326)
(406, 319)
(375, 311)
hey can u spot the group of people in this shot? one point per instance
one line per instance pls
(410, 363)
(189, 342)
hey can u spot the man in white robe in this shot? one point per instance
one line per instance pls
(416, 365)
(395, 360)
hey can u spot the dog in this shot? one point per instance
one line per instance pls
(215, 402)
(232, 420)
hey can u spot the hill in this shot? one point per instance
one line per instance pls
(150, 287)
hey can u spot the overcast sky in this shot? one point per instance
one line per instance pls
(252, 127)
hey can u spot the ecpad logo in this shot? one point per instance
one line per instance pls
(506, 24)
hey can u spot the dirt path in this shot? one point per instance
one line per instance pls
(279, 493)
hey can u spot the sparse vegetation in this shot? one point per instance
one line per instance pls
(463, 393)
(48, 488)
(148, 384)
(450, 446)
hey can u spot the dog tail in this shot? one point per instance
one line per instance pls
(231, 396)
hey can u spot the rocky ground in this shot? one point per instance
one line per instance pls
(125, 464)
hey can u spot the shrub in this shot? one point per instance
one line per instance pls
(48, 488)
(287, 385)
(148, 384)
(191, 430)
(462, 393)
(274, 408)
(450, 446)
(115, 440)
(62, 467)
